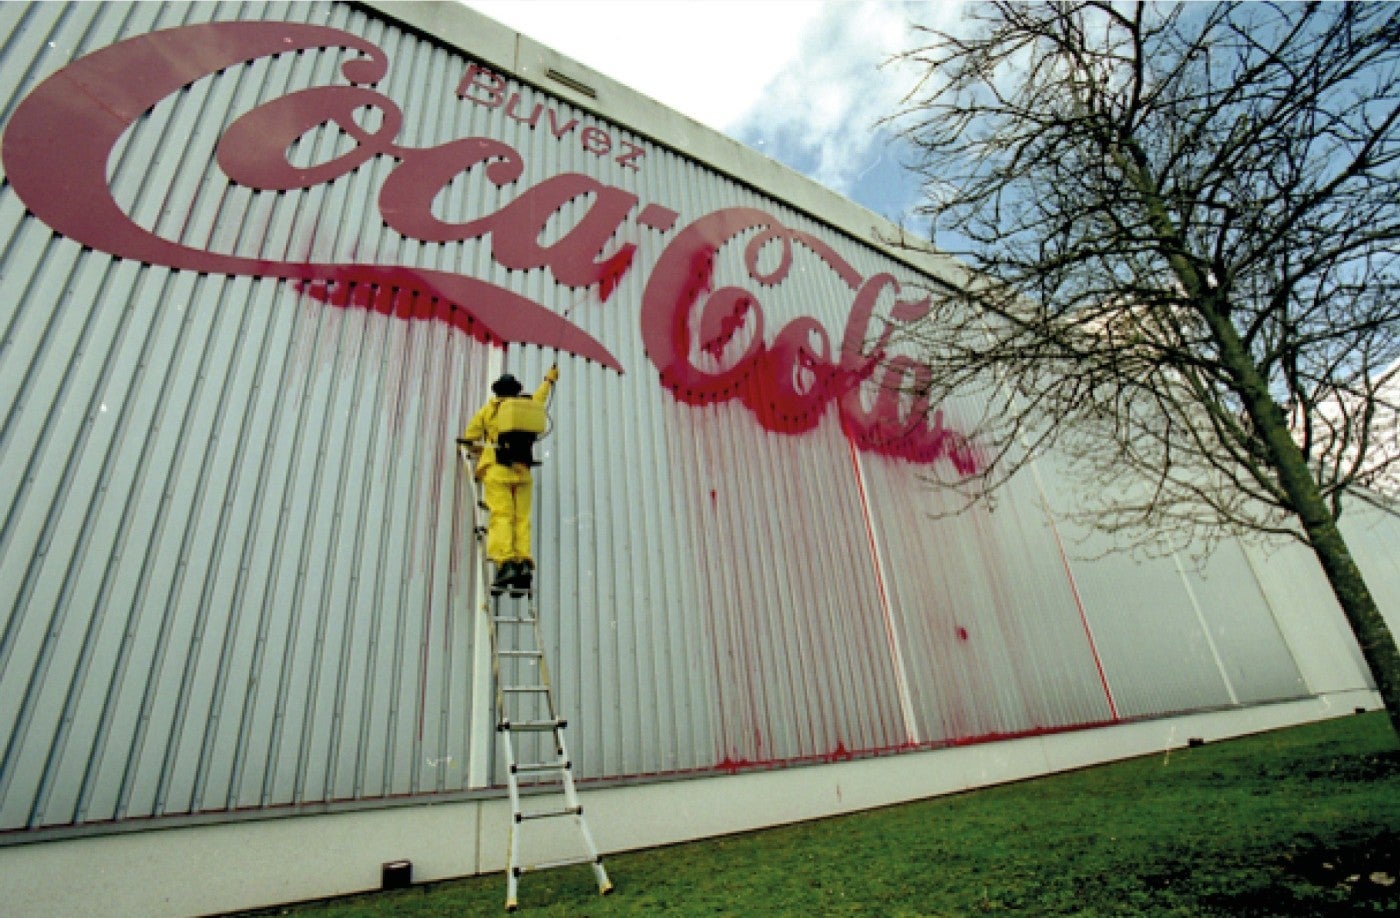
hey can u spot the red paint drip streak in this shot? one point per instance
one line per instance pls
(723, 633)
(1013, 636)
(880, 582)
(414, 366)
(756, 664)
(818, 723)
(436, 418)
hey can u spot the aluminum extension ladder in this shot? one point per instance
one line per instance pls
(526, 714)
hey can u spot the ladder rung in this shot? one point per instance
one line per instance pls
(520, 653)
(511, 620)
(551, 814)
(536, 726)
(525, 688)
(529, 767)
(567, 862)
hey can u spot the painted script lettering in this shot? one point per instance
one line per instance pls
(788, 382)
(60, 137)
(484, 86)
(708, 342)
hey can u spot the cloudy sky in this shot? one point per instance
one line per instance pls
(802, 81)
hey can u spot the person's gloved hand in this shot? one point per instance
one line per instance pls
(552, 374)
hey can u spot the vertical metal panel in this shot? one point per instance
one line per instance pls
(1155, 651)
(996, 643)
(1178, 633)
(235, 552)
(1372, 531)
(1157, 656)
(234, 561)
(1307, 613)
(1257, 659)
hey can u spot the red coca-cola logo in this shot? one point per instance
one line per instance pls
(788, 381)
(59, 139)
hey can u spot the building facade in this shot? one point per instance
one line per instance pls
(261, 263)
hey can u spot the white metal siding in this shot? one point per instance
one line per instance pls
(236, 566)
(232, 548)
(1372, 534)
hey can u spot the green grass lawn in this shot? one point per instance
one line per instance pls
(1304, 821)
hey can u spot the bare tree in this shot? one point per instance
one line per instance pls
(1183, 224)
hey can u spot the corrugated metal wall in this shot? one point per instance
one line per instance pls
(235, 563)
(994, 638)
(232, 548)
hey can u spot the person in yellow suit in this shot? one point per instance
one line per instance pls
(506, 486)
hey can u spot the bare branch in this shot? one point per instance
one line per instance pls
(1184, 225)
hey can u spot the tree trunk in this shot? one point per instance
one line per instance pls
(1367, 624)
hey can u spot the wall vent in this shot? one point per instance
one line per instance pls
(572, 83)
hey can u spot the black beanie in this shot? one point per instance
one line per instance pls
(507, 385)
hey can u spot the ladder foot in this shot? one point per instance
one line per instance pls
(512, 905)
(605, 889)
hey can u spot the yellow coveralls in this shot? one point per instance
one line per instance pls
(506, 489)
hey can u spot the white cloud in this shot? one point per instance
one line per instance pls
(825, 105)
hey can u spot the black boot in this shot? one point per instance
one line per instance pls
(506, 572)
(524, 576)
